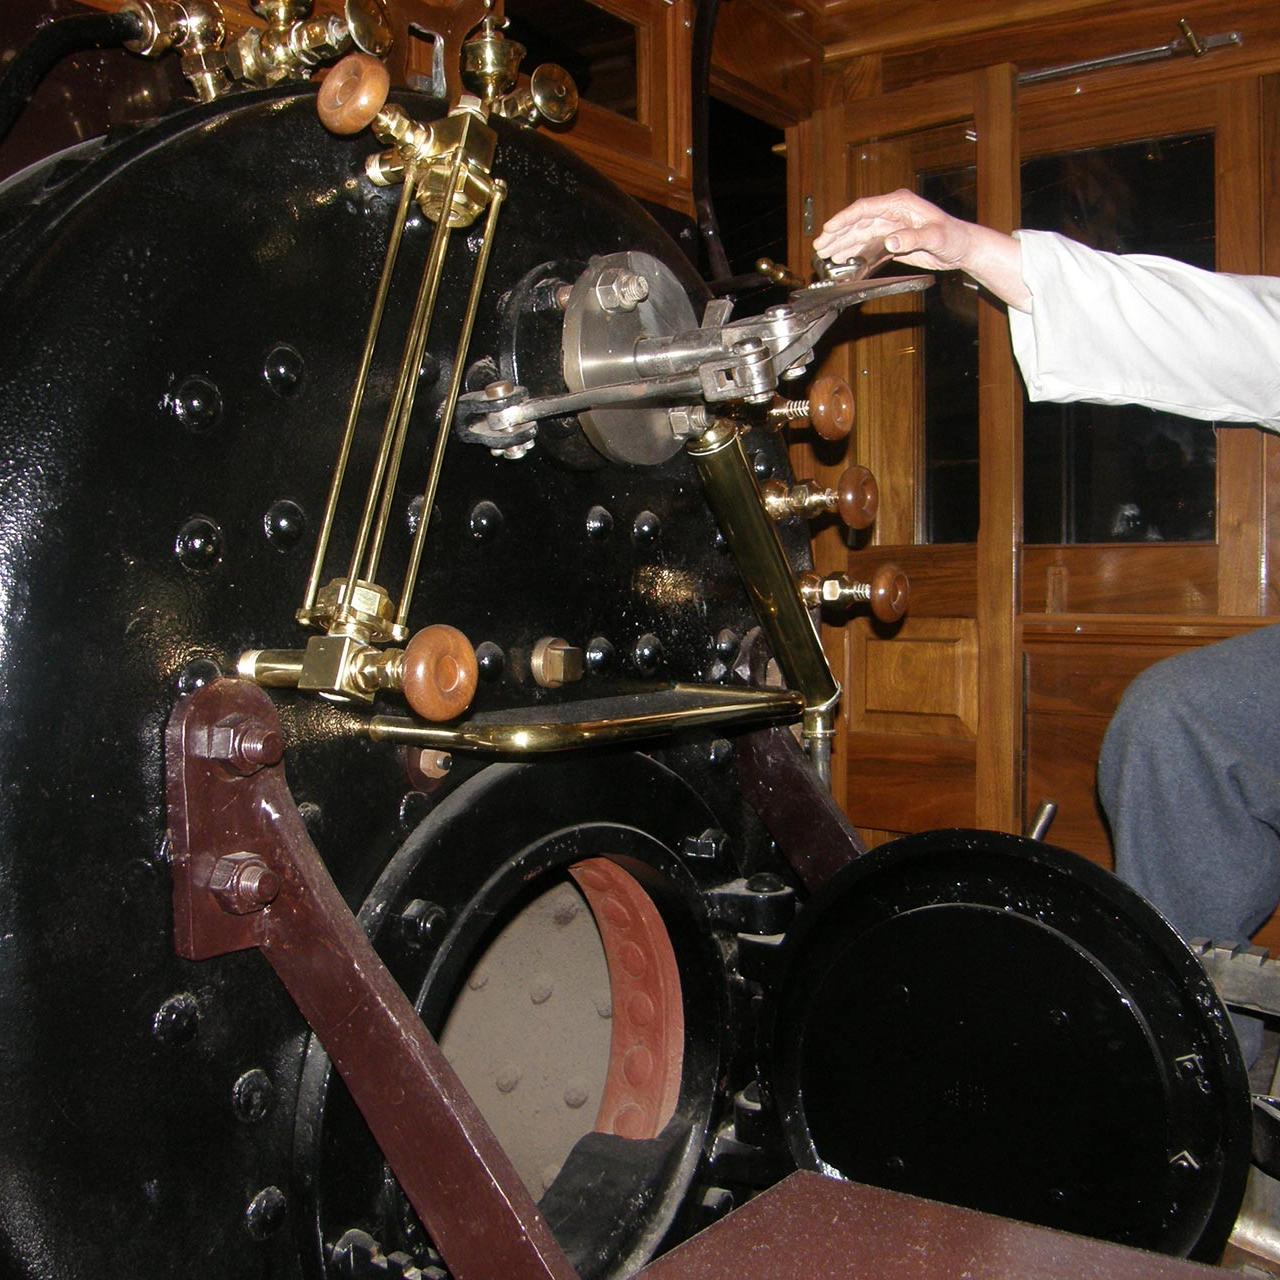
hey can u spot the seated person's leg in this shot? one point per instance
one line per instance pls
(1190, 780)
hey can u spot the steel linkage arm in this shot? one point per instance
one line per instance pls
(245, 874)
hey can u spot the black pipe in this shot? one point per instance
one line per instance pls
(704, 29)
(50, 45)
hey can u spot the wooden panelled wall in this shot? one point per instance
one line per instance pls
(1088, 618)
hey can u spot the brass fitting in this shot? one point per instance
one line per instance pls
(855, 498)
(294, 44)
(550, 96)
(196, 28)
(362, 610)
(888, 593)
(804, 500)
(491, 66)
(555, 662)
(491, 62)
(437, 671)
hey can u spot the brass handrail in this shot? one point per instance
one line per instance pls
(614, 720)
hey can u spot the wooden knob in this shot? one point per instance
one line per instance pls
(858, 497)
(831, 407)
(890, 593)
(440, 673)
(353, 93)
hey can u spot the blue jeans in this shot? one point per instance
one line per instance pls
(1189, 777)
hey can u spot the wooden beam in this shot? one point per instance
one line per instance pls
(998, 798)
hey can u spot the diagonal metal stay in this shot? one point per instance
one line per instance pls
(245, 874)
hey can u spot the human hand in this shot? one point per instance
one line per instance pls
(922, 235)
(913, 230)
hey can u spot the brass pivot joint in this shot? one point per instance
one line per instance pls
(856, 498)
(888, 593)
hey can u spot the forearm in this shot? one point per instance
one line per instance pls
(994, 260)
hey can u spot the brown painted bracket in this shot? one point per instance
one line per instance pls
(810, 1226)
(807, 825)
(245, 874)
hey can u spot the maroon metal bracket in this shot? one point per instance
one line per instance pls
(245, 874)
(809, 1226)
(797, 810)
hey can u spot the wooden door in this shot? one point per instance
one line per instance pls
(931, 711)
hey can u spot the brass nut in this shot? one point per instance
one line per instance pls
(555, 662)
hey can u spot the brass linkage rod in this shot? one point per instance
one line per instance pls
(753, 540)
(615, 721)
(406, 384)
(362, 377)
(435, 266)
(497, 194)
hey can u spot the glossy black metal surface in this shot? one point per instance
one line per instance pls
(989, 1021)
(180, 319)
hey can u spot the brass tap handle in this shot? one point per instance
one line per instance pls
(353, 93)
(858, 497)
(779, 274)
(440, 673)
(888, 593)
(554, 93)
(829, 409)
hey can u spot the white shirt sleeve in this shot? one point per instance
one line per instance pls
(1136, 329)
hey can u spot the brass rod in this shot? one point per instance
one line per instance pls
(753, 539)
(497, 194)
(407, 375)
(411, 371)
(362, 377)
(719, 707)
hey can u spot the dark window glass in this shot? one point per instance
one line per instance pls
(1091, 473)
(748, 177)
(596, 48)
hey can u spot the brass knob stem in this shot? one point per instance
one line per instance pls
(888, 593)
(829, 409)
(856, 498)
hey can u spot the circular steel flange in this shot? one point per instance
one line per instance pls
(599, 348)
(992, 1022)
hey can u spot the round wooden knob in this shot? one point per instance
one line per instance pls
(353, 93)
(890, 593)
(440, 673)
(831, 407)
(858, 497)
